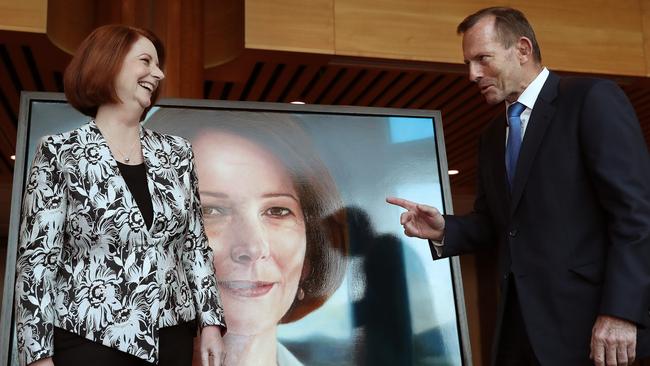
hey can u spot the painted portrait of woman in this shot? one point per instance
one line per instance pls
(275, 222)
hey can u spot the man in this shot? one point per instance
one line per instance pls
(564, 190)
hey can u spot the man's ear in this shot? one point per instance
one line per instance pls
(524, 50)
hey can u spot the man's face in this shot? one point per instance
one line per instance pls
(495, 69)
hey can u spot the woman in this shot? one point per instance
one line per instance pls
(275, 222)
(114, 266)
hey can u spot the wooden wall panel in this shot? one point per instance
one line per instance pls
(590, 36)
(23, 15)
(593, 36)
(422, 30)
(290, 25)
(223, 37)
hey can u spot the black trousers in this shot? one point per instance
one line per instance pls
(514, 347)
(175, 349)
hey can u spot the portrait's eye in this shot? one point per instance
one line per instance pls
(145, 61)
(483, 58)
(278, 211)
(214, 211)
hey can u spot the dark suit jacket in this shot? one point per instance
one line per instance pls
(574, 232)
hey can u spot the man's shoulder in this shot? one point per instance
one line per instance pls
(576, 84)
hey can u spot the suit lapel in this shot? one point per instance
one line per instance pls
(543, 113)
(496, 141)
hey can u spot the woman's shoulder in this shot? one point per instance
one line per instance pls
(65, 137)
(167, 138)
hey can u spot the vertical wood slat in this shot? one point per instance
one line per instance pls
(395, 88)
(9, 90)
(305, 77)
(180, 26)
(282, 81)
(323, 79)
(261, 79)
(376, 86)
(358, 91)
(21, 66)
(419, 80)
(339, 87)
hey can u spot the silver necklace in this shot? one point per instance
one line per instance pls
(126, 157)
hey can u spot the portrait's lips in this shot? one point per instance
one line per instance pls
(247, 288)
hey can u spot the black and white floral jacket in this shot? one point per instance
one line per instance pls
(88, 264)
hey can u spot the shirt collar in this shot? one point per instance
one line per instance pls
(530, 94)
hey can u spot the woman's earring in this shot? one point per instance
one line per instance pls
(301, 294)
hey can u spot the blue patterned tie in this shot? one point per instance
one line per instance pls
(514, 139)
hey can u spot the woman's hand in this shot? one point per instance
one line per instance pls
(43, 362)
(211, 348)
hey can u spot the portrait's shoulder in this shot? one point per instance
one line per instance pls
(285, 357)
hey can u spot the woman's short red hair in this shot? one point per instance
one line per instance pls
(89, 79)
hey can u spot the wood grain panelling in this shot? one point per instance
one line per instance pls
(592, 36)
(645, 19)
(184, 49)
(23, 15)
(290, 25)
(576, 35)
(223, 31)
(410, 29)
(65, 31)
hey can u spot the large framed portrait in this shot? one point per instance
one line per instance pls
(310, 259)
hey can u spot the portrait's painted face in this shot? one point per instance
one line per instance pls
(495, 69)
(256, 227)
(140, 74)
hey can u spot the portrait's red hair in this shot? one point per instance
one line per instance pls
(89, 79)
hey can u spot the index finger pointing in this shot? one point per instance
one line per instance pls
(402, 203)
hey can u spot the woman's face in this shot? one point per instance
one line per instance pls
(256, 228)
(139, 76)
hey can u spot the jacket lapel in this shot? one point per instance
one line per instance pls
(496, 141)
(149, 143)
(108, 160)
(543, 113)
